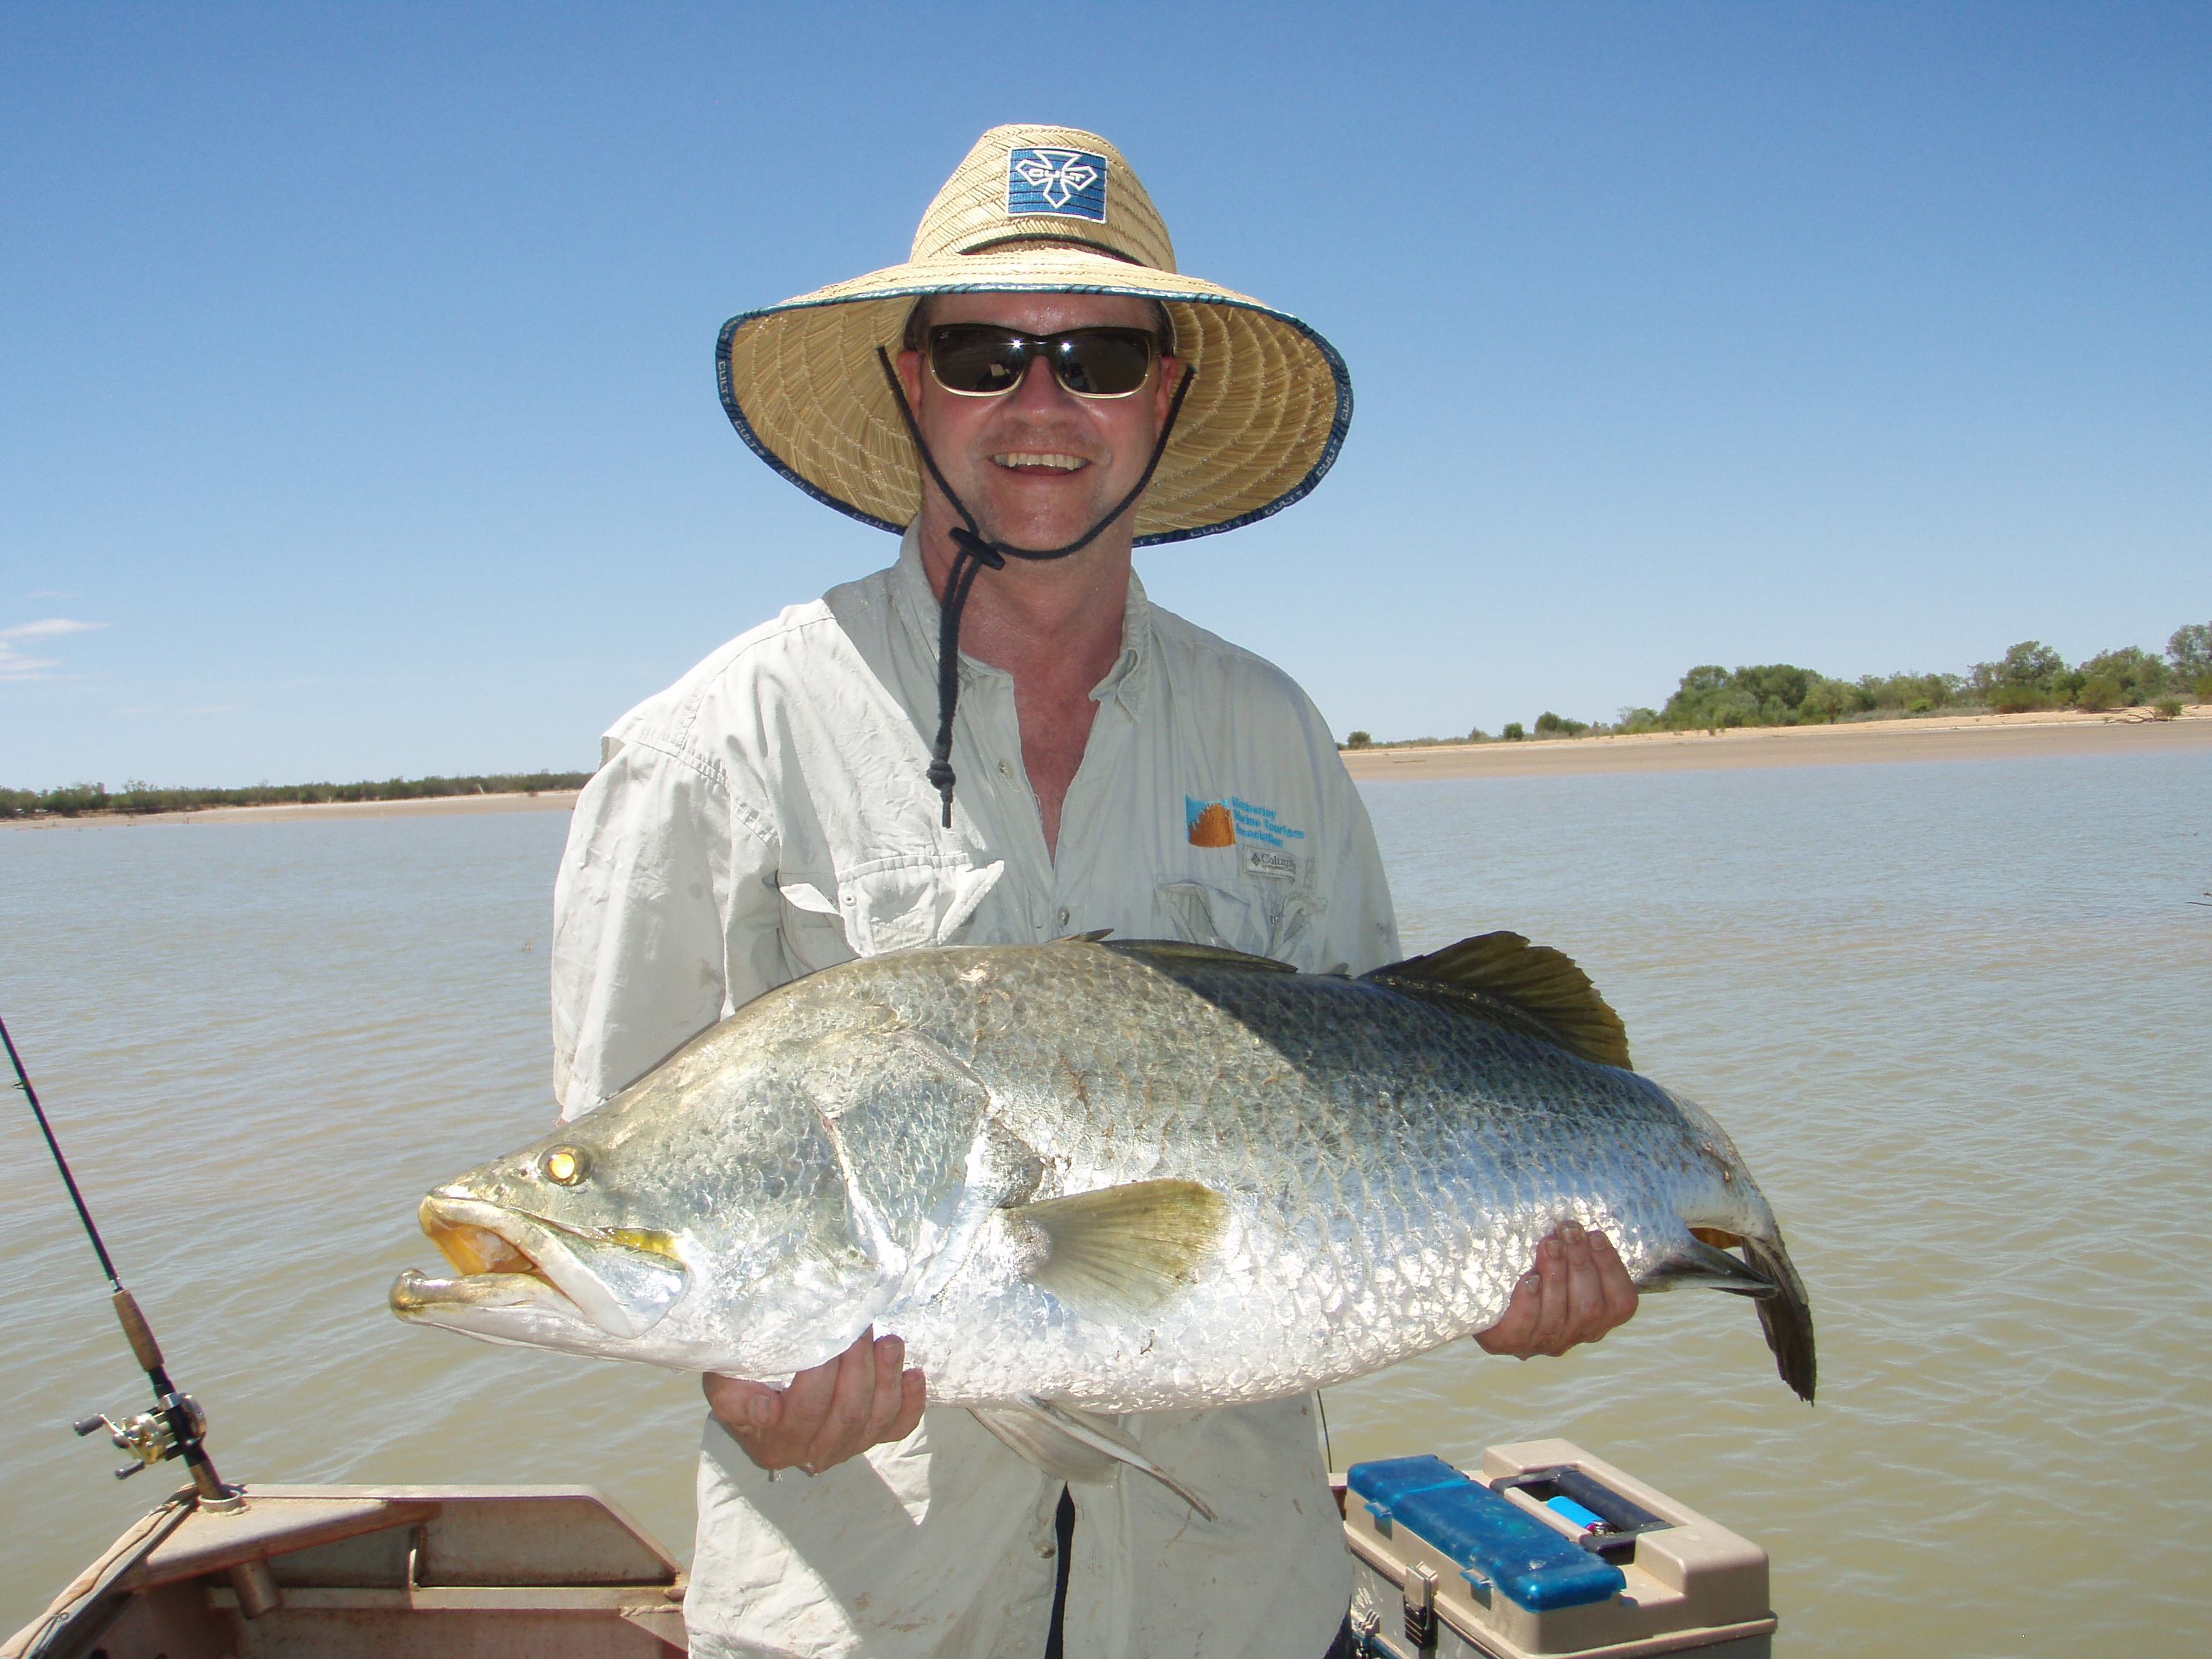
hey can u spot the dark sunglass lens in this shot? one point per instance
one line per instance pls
(977, 359)
(1103, 362)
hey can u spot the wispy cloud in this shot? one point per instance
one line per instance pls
(15, 666)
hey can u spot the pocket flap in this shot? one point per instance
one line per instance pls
(912, 905)
(804, 895)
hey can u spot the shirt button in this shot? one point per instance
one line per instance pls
(1063, 916)
(1005, 770)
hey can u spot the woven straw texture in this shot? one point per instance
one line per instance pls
(1263, 420)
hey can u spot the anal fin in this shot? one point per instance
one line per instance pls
(1036, 1441)
(1074, 1444)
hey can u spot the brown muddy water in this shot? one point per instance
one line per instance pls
(1957, 1016)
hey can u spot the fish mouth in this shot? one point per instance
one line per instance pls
(525, 1277)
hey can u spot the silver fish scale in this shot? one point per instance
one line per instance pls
(1390, 1165)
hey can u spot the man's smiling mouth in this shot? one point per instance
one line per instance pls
(1022, 460)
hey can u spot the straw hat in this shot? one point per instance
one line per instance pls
(1048, 209)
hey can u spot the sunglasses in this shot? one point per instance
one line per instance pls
(979, 359)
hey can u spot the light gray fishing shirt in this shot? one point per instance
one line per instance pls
(769, 814)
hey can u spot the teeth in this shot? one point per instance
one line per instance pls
(1062, 463)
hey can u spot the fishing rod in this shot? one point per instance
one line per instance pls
(176, 1427)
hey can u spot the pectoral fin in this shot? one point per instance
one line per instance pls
(1122, 1251)
(1073, 1445)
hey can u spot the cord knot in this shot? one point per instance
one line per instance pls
(984, 553)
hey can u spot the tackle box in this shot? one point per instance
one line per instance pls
(1545, 1550)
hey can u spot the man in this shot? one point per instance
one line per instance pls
(996, 740)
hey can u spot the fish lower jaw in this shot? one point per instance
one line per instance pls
(485, 1300)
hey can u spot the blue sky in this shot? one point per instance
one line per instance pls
(359, 415)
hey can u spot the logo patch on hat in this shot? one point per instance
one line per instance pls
(1068, 183)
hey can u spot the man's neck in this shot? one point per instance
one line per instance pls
(1054, 625)
(1044, 620)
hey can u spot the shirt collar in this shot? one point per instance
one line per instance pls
(918, 608)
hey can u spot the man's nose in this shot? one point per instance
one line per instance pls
(1040, 389)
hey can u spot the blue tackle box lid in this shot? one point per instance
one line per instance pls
(1494, 1541)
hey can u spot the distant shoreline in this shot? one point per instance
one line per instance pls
(1971, 737)
(1967, 737)
(545, 800)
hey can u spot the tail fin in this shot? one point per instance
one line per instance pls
(1786, 1316)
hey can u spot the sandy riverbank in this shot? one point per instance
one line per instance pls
(549, 800)
(1962, 737)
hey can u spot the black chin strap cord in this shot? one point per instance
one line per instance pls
(973, 552)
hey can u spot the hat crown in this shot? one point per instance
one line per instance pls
(1041, 184)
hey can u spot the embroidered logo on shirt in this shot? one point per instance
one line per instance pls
(1070, 184)
(1258, 826)
(1208, 822)
(1227, 822)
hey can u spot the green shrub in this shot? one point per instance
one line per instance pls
(1918, 706)
(1359, 739)
(2166, 708)
(1763, 694)
(1514, 732)
(2204, 688)
(2097, 694)
(1549, 723)
(2018, 699)
(2139, 674)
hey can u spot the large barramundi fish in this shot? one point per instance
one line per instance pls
(1096, 1176)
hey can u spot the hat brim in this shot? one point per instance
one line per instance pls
(1265, 413)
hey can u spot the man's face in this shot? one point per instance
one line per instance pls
(1037, 465)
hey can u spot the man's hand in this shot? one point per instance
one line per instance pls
(1577, 1292)
(835, 1411)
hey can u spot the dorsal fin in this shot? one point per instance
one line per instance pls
(1171, 954)
(1503, 978)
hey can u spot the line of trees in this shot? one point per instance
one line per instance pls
(76, 799)
(2029, 676)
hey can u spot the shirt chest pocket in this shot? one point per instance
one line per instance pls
(1268, 912)
(902, 903)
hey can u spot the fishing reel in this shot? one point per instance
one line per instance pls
(150, 1437)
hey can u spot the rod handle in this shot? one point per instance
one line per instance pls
(138, 1332)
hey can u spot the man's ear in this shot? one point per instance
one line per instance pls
(1164, 393)
(909, 374)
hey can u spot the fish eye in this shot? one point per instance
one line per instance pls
(564, 1165)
